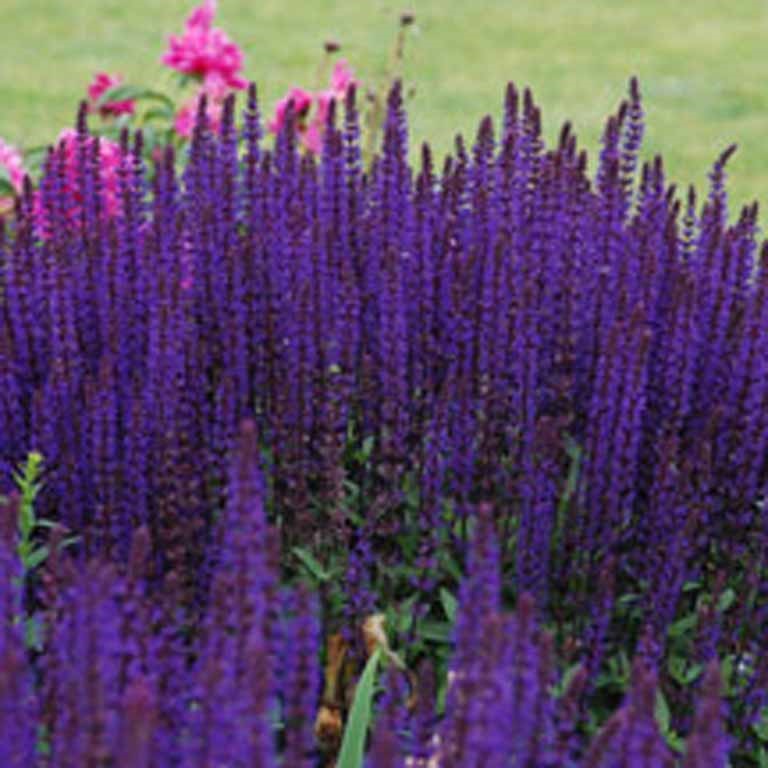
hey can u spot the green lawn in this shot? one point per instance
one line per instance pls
(701, 64)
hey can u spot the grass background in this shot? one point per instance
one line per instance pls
(701, 64)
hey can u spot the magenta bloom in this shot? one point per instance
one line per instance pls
(110, 155)
(103, 82)
(311, 130)
(184, 122)
(342, 79)
(109, 165)
(11, 160)
(216, 91)
(204, 51)
(302, 101)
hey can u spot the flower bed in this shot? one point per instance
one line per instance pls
(250, 404)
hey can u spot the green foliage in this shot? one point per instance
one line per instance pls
(28, 482)
(6, 188)
(356, 730)
(27, 479)
(664, 720)
(32, 554)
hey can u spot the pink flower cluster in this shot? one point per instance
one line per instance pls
(12, 162)
(311, 130)
(110, 156)
(103, 82)
(215, 92)
(207, 54)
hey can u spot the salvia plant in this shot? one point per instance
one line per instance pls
(507, 416)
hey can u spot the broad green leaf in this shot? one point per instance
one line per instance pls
(356, 730)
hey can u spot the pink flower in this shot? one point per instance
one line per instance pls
(11, 161)
(110, 158)
(312, 136)
(204, 50)
(103, 82)
(342, 79)
(184, 122)
(216, 90)
(302, 101)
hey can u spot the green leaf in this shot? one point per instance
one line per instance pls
(127, 92)
(661, 712)
(629, 598)
(450, 605)
(356, 730)
(436, 631)
(663, 719)
(451, 566)
(35, 558)
(761, 726)
(312, 564)
(683, 626)
(726, 600)
(726, 672)
(33, 633)
(565, 681)
(366, 449)
(682, 672)
(164, 112)
(404, 619)
(6, 188)
(574, 452)
(43, 745)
